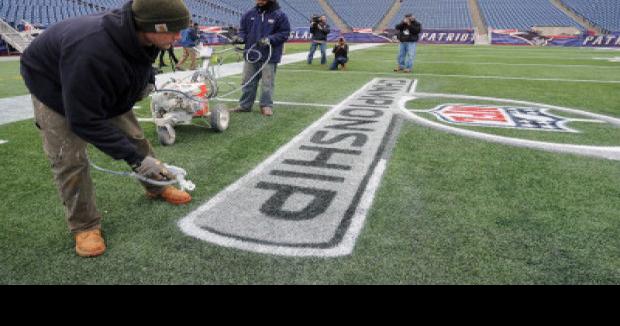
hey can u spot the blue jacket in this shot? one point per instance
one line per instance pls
(270, 22)
(189, 38)
(91, 69)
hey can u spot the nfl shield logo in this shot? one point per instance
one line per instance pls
(501, 117)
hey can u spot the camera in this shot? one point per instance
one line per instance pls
(316, 19)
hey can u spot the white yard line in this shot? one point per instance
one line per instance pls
(512, 64)
(3, 141)
(140, 119)
(13, 109)
(374, 73)
(10, 58)
(237, 67)
(557, 56)
(285, 103)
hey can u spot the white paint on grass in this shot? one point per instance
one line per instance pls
(414, 74)
(3, 141)
(318, 105)
(237, 67)
(211, 223)
(414, 87)
(13, 109)
(610, 59)
(478, 63)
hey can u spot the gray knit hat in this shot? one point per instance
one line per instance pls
(160, 15)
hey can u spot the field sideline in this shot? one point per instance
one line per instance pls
(449, 209)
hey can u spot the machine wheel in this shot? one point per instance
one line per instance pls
(197, 77)
(220, 117)
(166, 135)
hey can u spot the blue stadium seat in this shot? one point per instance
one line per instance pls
(440, 14)
(523, 14)
(603, 13)
(363, 14)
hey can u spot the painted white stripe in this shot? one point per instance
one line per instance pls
(521, 50)
(3, 141)
(554, 56)
(414, 87)
(285, 103)
(477, 63)
(610, 59)
(13, 109)
(607, 152)
(237, 67)
(585, 120)
(357, 223)
(461, 76)
(276, 102)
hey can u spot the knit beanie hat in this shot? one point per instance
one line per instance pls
(160, 15)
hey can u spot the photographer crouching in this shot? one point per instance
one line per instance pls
(341, 55)
(319, 29)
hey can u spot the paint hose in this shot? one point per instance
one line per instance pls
(179, 174)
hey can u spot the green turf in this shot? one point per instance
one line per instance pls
(450, 210)
(11, 82)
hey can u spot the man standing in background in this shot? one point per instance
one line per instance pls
(262, 27)
(408, 33)
(319, 29)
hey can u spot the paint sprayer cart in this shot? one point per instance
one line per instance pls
(178, 102)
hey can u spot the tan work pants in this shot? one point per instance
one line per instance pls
(70, 166)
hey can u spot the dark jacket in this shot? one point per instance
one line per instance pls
(319, 31)
(409, 33)
(341, 51)
(270, 22)
(90, 69)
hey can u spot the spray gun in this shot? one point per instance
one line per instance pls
(178, 173)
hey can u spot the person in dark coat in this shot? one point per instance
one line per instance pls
(263, 30)
(341, 55)
(85, 74)
(408, 33)
(319, 29)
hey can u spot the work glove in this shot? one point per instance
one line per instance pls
(236, 39)
(153, 169)
(264, 41)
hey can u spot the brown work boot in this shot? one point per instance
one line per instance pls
(266, 111)
(89, 243)
(397, 69)
(172, 195)
(407, 71)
